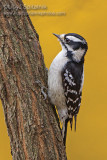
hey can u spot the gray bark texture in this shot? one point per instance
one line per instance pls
(31, 120)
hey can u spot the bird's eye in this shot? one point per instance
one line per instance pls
(67, 40)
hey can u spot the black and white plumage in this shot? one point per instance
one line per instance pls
(66, 77)
(72, 80)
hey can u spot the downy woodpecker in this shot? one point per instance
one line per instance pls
(66, 77)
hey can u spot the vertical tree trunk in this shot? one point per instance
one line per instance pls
(31, 122)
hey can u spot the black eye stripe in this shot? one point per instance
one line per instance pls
(74, 43)
(77, 45)
(67, 40)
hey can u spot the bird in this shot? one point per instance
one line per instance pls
(66, 78)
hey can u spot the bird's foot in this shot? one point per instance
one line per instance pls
(43, 89)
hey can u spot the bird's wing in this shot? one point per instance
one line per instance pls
(72, 94)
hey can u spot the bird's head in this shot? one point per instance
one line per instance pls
(74, 45)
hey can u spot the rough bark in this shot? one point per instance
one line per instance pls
(31, 121)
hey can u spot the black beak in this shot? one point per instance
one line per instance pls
(58, 36)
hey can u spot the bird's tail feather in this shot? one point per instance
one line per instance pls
(65, 131)
(64, 128)
(75, 118)
(71, 121)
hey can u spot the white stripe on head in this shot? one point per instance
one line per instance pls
(73, 38)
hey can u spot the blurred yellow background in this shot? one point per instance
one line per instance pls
(89, 19)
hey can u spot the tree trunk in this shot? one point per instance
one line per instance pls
(30, 119)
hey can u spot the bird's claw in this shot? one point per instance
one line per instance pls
(42, 89)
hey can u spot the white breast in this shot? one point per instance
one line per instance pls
(55, 87)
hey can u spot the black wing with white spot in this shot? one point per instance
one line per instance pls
(72, 84)
(73, 97)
